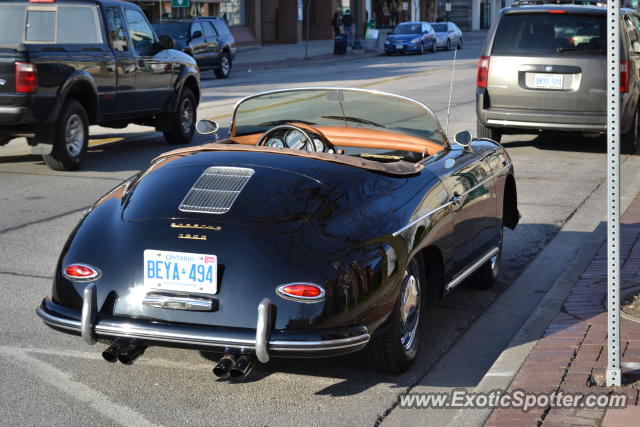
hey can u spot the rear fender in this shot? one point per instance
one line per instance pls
(188, 78)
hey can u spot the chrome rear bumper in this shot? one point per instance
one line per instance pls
(317, 343)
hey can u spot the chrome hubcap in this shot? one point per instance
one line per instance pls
(225, 65)
(186, 116)
(74, 135)
(409, 311)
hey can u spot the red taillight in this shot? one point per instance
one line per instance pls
(557, 11)
(26, 77)
(81, 272)
(301, 291)
(483, 71)
(42, 1)
(624, 76)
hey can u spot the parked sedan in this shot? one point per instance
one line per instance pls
(316, 229)
(206, 38)
(411, 37)
(448, 35)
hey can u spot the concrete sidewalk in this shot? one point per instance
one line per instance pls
(283, 55)
(571, 356)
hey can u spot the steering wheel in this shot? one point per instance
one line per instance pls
(308, 143)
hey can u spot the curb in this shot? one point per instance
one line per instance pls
(294, 62)
(506, 367)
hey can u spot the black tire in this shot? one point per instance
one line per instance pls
(394, 351)
(486, 276)
(434, 47)
(630, 142)
(387, 53)
(71, 138)
(421, 51)
(448, 44)
(224, 70)
(459, 46)
(183, 121)
(490, 133)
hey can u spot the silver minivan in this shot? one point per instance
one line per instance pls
(542, 69)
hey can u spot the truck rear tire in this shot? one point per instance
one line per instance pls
(490, 133)
(71, 138)
(183, 121)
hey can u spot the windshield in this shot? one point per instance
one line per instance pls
(176, 30)
(439, 28)
(342, 112)
(407, 29)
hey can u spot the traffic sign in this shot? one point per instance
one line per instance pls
(180, 3)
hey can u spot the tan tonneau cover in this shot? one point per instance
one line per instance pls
(393, 168)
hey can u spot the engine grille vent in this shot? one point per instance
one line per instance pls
(216, 190)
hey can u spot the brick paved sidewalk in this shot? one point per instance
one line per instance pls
(572, 354)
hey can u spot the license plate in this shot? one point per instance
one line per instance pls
(548, 81)
(399, 46)
(180, 271)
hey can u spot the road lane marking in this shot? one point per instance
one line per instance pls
(76, 390)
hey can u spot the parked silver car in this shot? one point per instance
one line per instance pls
(542, 69)
(448, 35)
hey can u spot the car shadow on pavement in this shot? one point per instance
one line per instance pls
(555, 142)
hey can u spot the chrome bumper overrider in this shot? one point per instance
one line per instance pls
(262, 340)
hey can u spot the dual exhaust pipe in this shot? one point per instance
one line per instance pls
(236, 367)
(126, 353)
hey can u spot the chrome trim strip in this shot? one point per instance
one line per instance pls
(263, 330)
(473, 267)
(128, 330)
(414, 222)
(547, 125)
(452, 201)
(88, 317)
(177, 303)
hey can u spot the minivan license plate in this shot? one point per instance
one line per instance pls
(548, 81)
(180, 271)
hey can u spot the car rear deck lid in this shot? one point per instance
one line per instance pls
(215, 191)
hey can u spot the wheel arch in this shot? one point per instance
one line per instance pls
(432, 265)
(510, 214)
(81, 87)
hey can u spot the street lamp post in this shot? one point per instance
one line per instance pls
(357, 44)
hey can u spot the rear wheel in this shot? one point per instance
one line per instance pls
(490, 133)
(224, 70)
(448, 44)
(183, 120)
(421, 51)
(71, 138)
(459, 43)
(434, 47)
(395, 350)
(486, 276)
(629, 143)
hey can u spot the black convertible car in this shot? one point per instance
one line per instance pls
(314, 230)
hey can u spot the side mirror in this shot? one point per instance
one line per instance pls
(463, 138)
(206, 127)
(196, 35)
(166, 42)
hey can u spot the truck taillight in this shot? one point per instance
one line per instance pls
(26, 77)
(483, 71)
(624, 76)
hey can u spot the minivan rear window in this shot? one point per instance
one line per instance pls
(530, 34)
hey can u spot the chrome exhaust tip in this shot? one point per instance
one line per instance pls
(224, 366)
(243, 366)
(130, 352)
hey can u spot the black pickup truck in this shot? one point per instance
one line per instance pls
(68, 64)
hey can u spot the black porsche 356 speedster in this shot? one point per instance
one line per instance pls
(316, 229)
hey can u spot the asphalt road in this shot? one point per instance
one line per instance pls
(52, 378)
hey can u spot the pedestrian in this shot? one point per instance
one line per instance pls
(347, 23)
(336, 22)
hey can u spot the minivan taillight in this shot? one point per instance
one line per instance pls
(26, 77)
(624, 77)
(483, 71)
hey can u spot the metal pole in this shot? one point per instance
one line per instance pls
(356, 39)
(613, 193)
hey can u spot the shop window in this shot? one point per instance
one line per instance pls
(234, 12)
